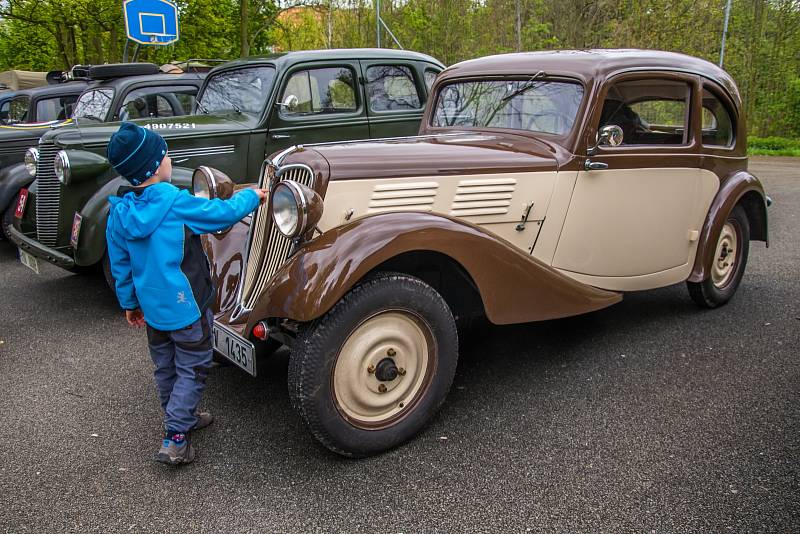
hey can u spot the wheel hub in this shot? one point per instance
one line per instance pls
(382, 368)
(386, 370)
(725, 259)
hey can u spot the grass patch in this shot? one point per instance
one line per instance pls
(773, 146)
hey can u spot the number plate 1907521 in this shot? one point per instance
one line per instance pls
(234, 347)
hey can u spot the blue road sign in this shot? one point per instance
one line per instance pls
(151, 22)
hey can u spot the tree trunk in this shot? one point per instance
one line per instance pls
(244, 21)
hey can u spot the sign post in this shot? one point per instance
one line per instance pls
(150, 22)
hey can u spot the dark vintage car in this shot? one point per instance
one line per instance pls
(246, 109)
(542, 185)
(48, 103)
(121, 91)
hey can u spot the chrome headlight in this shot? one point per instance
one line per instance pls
(32, 160)
(296, 209)
(61, 167)
(208, 182)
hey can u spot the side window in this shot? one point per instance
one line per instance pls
(157, 102)
(717, 122)
(391, 88)
(430, 77)
(18, 110)
(325, 90)
(650, 112)
(54, 108)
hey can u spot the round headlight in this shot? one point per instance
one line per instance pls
(208, 182)
(61, 167)
(296, 209)
(31, 160)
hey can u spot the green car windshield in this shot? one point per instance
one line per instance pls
(532, 105)
(242, 90)
(94, 105)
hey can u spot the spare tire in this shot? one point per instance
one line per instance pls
(118, 70)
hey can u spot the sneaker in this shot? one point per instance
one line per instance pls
(176, 453)
(203, 420)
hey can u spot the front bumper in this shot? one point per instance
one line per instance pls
(31, 246)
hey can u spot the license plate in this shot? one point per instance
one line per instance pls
(234, 347)
(19, 211)
(29, 261)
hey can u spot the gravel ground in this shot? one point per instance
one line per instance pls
(649, 416)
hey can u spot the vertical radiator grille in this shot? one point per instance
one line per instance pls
(269, 248)
(48, 198)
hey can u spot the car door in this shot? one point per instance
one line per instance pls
(318, 102)
(395, 93)
(635, 215)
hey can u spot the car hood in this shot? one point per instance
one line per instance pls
(432, 155)
(93, 134)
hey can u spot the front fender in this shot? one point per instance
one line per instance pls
(12, 179)
(739, 187)
(513, 286)
(92, 240)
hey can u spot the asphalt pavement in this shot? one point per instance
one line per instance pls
(649, 416)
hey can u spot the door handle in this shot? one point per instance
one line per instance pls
(280, 136)
(590, 165)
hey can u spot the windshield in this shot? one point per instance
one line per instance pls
(528, 104)
(241, 90)
(94, 105)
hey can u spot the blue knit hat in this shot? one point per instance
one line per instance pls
(136, 152)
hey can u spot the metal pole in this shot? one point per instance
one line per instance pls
(519, 26)
(378, 22)
(125, 51)
(392, 35)
(724, 32)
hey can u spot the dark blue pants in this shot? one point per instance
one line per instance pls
(182, 359)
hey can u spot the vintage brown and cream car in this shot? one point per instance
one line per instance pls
(542, 185)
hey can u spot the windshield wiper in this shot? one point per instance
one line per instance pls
(90, 116)
(528, 86)
(202, 108)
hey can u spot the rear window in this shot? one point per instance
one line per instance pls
(392, 88)
(525, 104)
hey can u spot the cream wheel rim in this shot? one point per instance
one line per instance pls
(398, 339)
(725, 256)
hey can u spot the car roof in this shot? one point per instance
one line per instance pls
(54, 90)
(285, 59)
(167, 79)
(591, 64)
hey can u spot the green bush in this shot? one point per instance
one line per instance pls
(773, 146)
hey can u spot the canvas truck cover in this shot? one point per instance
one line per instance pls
(21, 79)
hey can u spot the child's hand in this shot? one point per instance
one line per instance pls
(263, 195)
(134, 317)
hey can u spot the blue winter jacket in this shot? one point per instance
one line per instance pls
(156, 255)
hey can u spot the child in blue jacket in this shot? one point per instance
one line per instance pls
(162, 275)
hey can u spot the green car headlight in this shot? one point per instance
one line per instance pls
(61, 167)
(32, 160)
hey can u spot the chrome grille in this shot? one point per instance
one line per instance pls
(48, 198)
(269, 248)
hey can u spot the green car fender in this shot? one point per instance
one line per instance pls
(12, 179)
(92, 237)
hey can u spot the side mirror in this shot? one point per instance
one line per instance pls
(290, 103)
(609, 135)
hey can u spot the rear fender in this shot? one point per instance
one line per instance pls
(12, 179)
(739, 188)
(514, 287)
(92, 240)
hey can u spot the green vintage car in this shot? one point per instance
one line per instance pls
(122, 91)
(246, 109)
